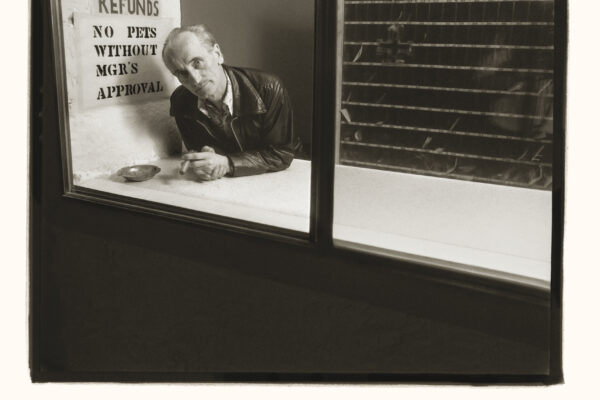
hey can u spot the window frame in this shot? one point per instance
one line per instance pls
(324, 150)
(202, 218)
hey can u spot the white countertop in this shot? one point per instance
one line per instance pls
(486, 229)
(281, 198)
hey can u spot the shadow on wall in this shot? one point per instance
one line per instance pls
(296, 71)
(152, 118)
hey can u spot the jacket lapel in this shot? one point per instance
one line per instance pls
(246, 99)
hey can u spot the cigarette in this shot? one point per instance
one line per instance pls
(184, 167)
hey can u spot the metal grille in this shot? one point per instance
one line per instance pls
(454, 88)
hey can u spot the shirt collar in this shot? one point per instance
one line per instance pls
(227, 97)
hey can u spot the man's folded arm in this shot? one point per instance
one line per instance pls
(278, 145)
(188, 130)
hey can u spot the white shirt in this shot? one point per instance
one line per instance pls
(227, 97)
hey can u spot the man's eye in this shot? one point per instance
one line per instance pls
(197, 64)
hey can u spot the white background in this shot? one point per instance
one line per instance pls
(581, 355)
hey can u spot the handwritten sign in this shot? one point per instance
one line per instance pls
(120, 59)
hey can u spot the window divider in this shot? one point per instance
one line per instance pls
(324, 133)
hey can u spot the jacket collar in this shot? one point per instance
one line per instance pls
(246, 99)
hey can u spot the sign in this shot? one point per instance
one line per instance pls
(120, 59)
(149, 8)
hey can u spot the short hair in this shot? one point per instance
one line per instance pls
(200, 31)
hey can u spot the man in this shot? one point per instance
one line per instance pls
(234, 121)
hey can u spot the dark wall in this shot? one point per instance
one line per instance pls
(272, 35)
(122, 295)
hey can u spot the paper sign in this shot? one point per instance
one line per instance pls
(120, 59)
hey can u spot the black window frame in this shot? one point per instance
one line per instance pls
(323, 150)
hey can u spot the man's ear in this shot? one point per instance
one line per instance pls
(218, 53)
(167, 61)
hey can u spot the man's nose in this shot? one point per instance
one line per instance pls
(194, 75)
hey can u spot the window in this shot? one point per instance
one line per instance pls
(444, 130)
(122, 140)
(460, 90)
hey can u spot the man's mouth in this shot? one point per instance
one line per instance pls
(202, 87)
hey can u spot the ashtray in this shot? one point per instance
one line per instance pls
(138, 173)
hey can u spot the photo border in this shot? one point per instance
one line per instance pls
(320, 224)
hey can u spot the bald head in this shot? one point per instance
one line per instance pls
(193, 56)
(200, 31)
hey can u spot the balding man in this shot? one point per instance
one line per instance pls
(238, 121)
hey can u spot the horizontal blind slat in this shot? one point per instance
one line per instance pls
(446, 110)
(453, 23)
(460, 45)
(446, 131)
(434, 173)
(455, 67)
(402, 2)
(444, 89)
(444, 153)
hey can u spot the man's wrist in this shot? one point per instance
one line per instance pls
(229, 166)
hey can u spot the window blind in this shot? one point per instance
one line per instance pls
(460, 89)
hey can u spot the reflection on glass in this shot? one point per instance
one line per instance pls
(445, 126)
(220, 122)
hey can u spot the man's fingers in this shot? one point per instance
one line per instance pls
(207, 173)
(221, 171)
(201, 163)
(206, 151)
(198, 156)
(207, 165)
(203, 175)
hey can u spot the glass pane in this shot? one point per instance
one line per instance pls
(445, 133)
(220, 122)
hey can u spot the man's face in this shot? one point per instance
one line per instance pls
(197, 66)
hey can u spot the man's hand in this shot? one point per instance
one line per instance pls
(207, 164)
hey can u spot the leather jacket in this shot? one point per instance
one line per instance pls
(261, 137)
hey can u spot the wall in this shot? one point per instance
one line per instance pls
(272, 35)
(103, 139)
